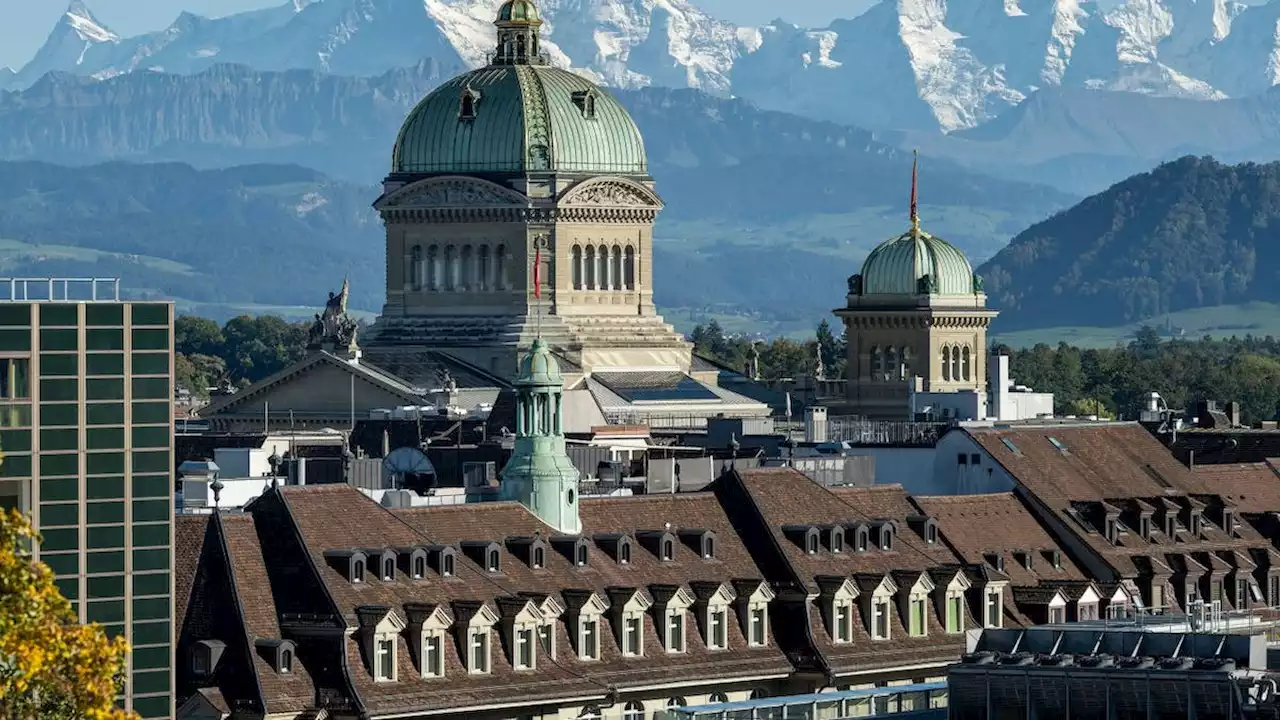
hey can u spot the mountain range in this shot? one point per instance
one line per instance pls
(1191, 233)
(716, 162)
(938, 64)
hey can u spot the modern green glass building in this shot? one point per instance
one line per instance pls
(86, 428)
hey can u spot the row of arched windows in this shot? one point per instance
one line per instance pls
(956, 363)
(458, 268)
(603, 267)
(890, 363)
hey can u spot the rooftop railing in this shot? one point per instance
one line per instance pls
(921, 701)
(52, 289)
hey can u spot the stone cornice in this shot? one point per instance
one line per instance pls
(618, 215)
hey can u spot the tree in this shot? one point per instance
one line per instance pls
(197, 336)
(51, 667)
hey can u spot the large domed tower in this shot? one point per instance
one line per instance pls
(915, 310)
(519, 196)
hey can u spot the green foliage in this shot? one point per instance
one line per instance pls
(779, 358)
(1114, 381)
(1191, 233)
(245, 350)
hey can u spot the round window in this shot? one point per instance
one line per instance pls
(570, 495)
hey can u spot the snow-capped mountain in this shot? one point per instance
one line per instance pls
(914, 64)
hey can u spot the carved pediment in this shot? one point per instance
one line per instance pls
(602, 192)
(453, 192)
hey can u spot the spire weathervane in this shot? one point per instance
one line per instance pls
(915, 215)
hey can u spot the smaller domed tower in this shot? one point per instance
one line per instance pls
(539, 474)
(518, 25)
(915, 310)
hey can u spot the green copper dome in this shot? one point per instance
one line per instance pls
(519, 118)
(518, 11)
(917, 263)
(539, 368)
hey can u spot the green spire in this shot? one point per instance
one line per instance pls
(539, 473)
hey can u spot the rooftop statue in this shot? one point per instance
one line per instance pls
(334, 327)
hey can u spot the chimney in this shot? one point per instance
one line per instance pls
(815, 424)
(1233, 413)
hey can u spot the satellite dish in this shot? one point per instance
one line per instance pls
(407, 461)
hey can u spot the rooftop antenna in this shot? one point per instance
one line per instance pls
(915, 214)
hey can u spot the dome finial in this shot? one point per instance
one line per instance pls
(915, 215)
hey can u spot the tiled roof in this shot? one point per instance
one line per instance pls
(1086, 473)
(337, 517)
(292, 692)
(786, 499)
(977, 526)
(188, 544)
(1253, 487)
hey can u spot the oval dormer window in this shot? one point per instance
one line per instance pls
(467, 104)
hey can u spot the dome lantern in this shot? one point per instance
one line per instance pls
(518, 26)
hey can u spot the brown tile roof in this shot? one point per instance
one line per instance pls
(188, 544)
(338, 517)
(291, 692)
(1253, 487)
(976, 526)
(1082, 472)
(783, 497)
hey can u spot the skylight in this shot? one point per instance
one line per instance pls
(1012, 448)
(1058, 444)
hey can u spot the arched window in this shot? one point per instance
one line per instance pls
(419, 566)
(877, 363)
(389, 569)
(893, 367)
(955, 363)
(493, 561)
(484, 267)
(759, 694)
(602, 272)
(357, 571)
(964, 362)
(466, 274)
(629, 268)
(906, 362)
(946, 362)
(448, 566)
(450, 268)
(415, 268)
(286, 661)
(500, 268)
(615, 267)
(675, 702)
(633, 711)
(812, 544)
(521, 48)
(589, 262)
(432, 274)
(624, 554)
(468, 109)
(575, 261)
(668, 550)
(539, 558)
(716, 698)
(582, 555)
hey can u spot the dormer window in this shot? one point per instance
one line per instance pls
(580, 558)
(441, 559)
(861, 539)
(812, 544)
(931, 533)
(995, 560)
(589, 638)
(446, 569)
(204, 657)
(668, 550)
(994, 608)
(478, 655)
(1228, 522)
(419, 567)
(1195, 523)
(917, 625)
(388, 569)
(659, 542)
(880, 618)
(384, 661)
(493, 563)
(955, 612)
(433, 654)
(1144, 527)
(1170, 525)
(886, 538)
(842, 621)
(286, 661)
(539, 558)
(675, 630)
(524, 654)
(837, 540)
(708, 546)
(717, 628)
(633, 634)
(586, 101)
(758, 634)
(467, 104)
(624, 552)
(1113, 531)
(357, 571)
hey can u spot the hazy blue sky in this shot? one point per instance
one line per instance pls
(24, 24)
